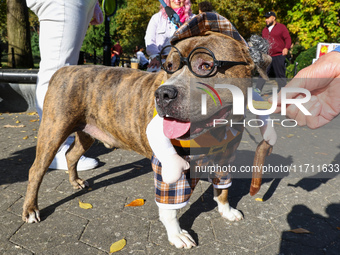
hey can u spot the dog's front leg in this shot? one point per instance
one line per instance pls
(176, 236)
(226, 211)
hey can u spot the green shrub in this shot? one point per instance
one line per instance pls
(35, 45)
(304, 59)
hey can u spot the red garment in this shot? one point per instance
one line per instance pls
(117, 48)
(278, 38)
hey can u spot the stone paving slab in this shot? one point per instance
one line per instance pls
(122, 176)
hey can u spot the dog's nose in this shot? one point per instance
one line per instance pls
(165, 94)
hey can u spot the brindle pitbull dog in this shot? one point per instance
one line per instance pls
(115, 105)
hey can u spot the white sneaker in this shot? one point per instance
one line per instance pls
(84, 163)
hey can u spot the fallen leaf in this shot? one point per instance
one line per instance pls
(11, 126)
(259, 199)
(338, 228)
(137, 202)
(34, 120)
(290, 135)
(85, 205)
(25, 138)
(117, 246)
(17, 122)
(300, 231)
(32, 113)
(321, 153)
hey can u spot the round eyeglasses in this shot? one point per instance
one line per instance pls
(200, 61)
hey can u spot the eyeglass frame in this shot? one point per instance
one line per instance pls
(185, 61)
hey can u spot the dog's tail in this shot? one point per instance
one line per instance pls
(263, 149)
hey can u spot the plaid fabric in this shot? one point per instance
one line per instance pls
(180, 192)
(175, 193)
(206, 21)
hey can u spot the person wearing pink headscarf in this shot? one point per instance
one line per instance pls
(160, 29)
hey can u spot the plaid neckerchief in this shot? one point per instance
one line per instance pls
(206, 21)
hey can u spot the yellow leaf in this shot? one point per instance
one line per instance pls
(300, 231)
(290, 135)
(34, 120)
(17, 121)
(32, 113)
(117, 246)
(137, 202)
(25, 138)
(259, 199)
(85, 205)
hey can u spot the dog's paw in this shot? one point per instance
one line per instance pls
(32, 217)
(79, 184)
(230, 213)
(182, 240)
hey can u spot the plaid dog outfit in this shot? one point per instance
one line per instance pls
(176, 195)
(198, 152)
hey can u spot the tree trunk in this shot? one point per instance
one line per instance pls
(18, 31)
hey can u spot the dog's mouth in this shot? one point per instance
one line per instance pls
(176, 129)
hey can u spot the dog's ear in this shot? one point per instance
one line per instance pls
(258, 50)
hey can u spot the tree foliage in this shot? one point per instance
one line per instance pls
(131, 22)
(309, 21)
(314, 21)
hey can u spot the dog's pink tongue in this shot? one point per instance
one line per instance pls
(173, 128)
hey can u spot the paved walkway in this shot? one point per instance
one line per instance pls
(289, 203)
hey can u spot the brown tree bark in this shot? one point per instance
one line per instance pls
(18, 32)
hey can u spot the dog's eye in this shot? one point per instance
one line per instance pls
(206, 66)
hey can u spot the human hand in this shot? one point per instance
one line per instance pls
(98, 17)
(322, 79)
(154, 63)
(285, 52)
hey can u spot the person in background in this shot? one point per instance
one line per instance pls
(143, 61)
(278, 36)
(63, 25)
(160, 29)
(116, 52)
(205, 6)
(322, 79)
(135, 51)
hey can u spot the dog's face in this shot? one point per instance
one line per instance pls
(179, 101)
